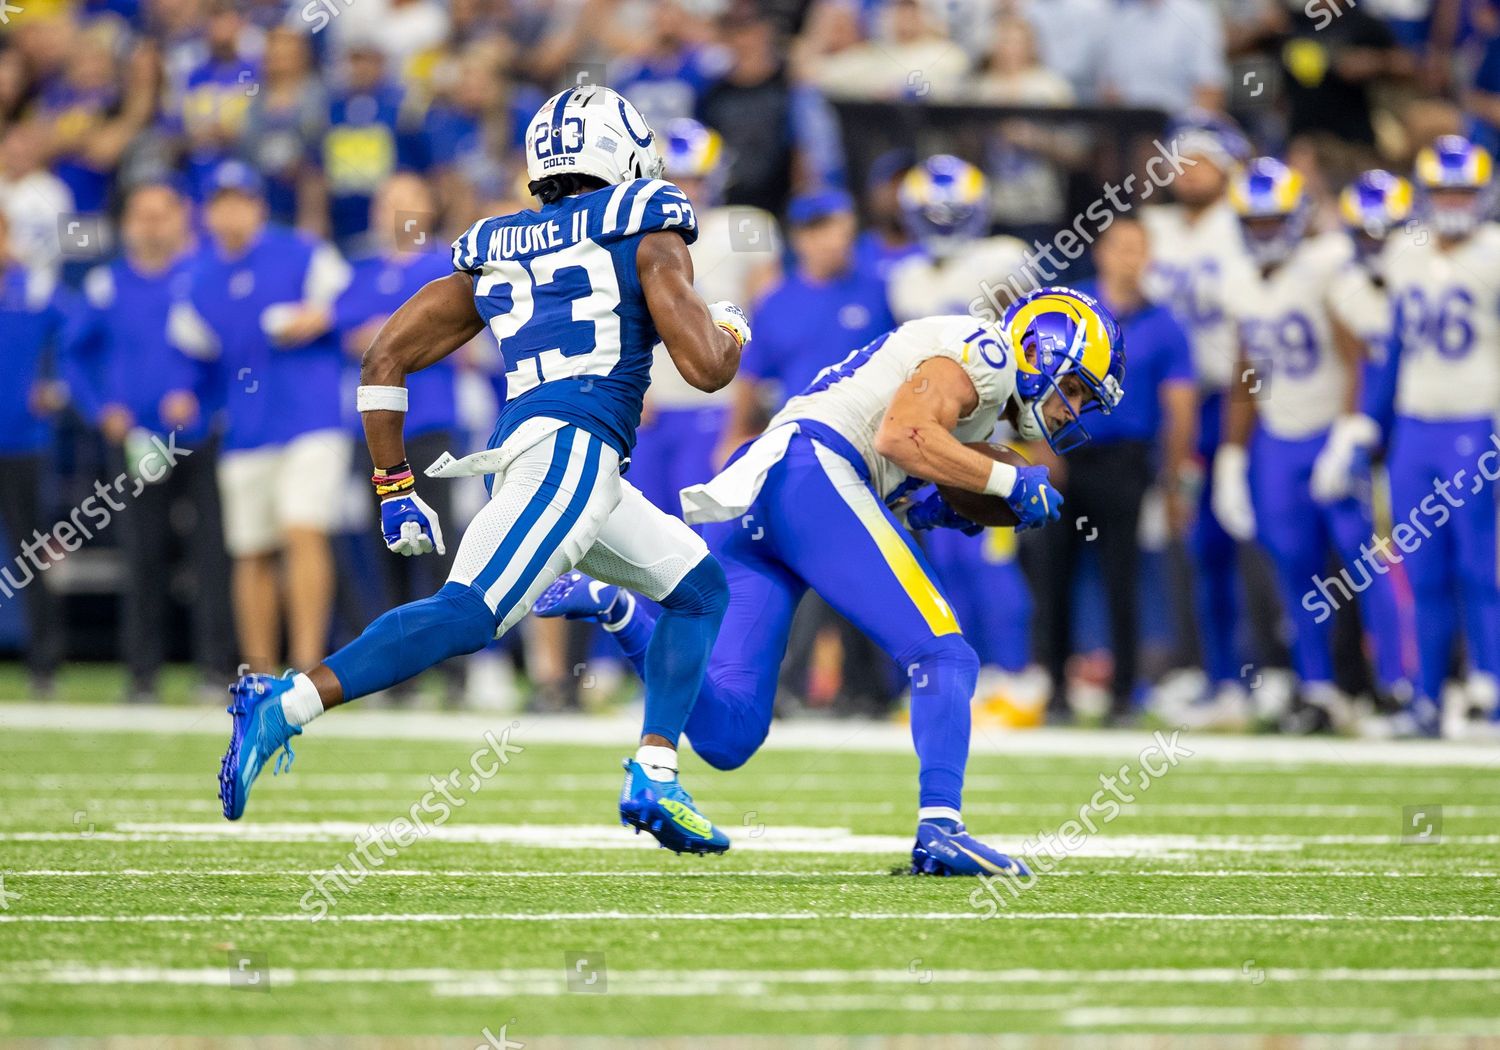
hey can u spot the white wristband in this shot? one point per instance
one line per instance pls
(1002, 481)
(380, 399)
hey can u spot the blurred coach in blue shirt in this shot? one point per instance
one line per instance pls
(260, 306)
(407, 254)
(32, 320)
(1105, 482)
(825, 307)
(144, 387)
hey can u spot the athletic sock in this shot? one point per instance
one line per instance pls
(619, 612)
(633, 634)
(945, 817)
(657, 762)
(301, 703)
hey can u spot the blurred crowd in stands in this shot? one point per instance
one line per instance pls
(187, 185)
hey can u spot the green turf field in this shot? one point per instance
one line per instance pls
(1238, 893)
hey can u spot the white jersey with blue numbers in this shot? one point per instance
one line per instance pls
(558, 289)
(852, 396)
(1362, 306)
(1447, 320)
(1196, 268)
(1301, 383)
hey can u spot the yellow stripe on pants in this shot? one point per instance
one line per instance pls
(903, 564)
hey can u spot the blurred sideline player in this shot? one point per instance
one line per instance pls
(808, 505)
(735, 258)
(944, 203)
(1441, 387)
(577, 294)
(1298, 393)
(1145, 443)
(1372, 208)
(1198, 259)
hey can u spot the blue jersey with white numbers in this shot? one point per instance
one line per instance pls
(559, 290)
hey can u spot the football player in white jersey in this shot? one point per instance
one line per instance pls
(1371, 208)
(736, 257)
(577, 294)
(1298, 394)
(1442, 386)
(1197, 260)
(808, 505)
(945, 203)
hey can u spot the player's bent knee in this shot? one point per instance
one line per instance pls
(704, 591)
(453, 622)
(941, 665)
(724, 752)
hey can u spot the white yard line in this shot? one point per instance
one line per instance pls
(750, 916)
(365, 786)
(457, 873)
(731, 982)
(850, 737)
(1301, 1017)
(465, 873)
(768, 837)
(1142, 808)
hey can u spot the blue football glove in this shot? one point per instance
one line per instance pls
(935, 513)
(410, 526)
(1034, 499)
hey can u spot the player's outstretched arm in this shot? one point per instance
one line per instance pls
(705, 348)
(428, 327)
(917, 431)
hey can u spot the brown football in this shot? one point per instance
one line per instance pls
(978, 507)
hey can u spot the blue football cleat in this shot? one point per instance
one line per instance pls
(945, 848)
(665, 810)
(575, 596)
(260, 730)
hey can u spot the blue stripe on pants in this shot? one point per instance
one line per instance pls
(552, 484)
(558, 532)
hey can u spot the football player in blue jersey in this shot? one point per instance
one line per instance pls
(808, 504)
(577, 294)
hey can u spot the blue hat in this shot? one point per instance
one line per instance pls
(238, 177)
(891, 164)
(808, 208)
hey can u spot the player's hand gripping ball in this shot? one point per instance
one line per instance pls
(1031, 504)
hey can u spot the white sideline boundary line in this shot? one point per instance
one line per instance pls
(852, 737)
(746, 916)
(773, 838)
(461, 873)
(731, 981)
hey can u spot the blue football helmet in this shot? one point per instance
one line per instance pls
(944, 203)
(1372, 206)
(1465, 175)
(1057, 332)
(1199, 133)
(694, 151)
(1272, 203)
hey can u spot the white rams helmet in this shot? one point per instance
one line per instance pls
(591, 130)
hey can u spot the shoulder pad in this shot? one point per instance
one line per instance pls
(644, 206)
